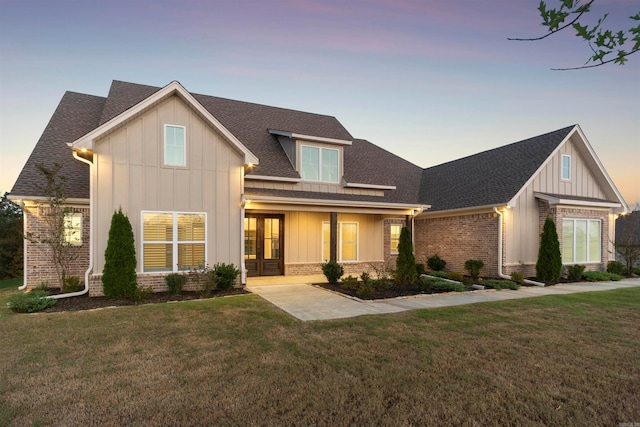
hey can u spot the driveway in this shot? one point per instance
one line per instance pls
(307, 302)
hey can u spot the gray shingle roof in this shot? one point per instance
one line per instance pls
(490, 177)
(75, 115)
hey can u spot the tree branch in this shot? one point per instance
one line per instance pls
(585, 8)
(595, 65)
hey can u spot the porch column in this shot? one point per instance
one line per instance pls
(333, 239)
(409, 224)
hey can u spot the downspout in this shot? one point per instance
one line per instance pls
(91, 221)
(243, 272)
(502, 275)
(24, 250)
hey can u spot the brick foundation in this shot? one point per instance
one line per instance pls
(353, 268)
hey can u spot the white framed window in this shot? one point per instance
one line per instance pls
(73, 229)
(173, 241)
(566, 167)
(319, 164)
(175, 145)
(581, 241)
(347, 241)
(395, 237)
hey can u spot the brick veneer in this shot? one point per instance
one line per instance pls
(39, 266)
(389, 258)
(353, 268)
(457, 239)
(156, 282)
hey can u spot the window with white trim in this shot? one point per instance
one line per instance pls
(175, 145)
(347, 241)
(581, 241)
(173, 241)
(73, 228)
(395, 237)
(319, 164)
(566, 167)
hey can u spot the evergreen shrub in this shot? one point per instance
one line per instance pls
(119, 273)
(549, 264)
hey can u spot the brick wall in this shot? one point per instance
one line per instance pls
(457, 239)
(39, 265)
(389, 258)
(156, 282)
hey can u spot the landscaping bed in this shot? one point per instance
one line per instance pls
(377, 294)
(85, 302)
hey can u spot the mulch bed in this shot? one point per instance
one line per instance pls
(388, 293)
(85, 302)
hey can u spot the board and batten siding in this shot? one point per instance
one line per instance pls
(522, 223)
(130, 173)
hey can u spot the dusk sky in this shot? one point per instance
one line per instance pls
(429, 80)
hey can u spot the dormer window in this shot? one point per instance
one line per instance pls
(319, 164)
(566, 167)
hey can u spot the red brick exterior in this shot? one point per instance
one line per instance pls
(39, 266)
(154, 281)
(457, 239)
(389, 258)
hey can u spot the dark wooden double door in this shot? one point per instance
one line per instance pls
(264, 244)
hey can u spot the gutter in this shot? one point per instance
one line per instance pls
(91, 221)
(500, 273)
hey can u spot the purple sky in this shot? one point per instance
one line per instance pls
(429, 80)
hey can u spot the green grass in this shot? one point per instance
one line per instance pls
(563, 360)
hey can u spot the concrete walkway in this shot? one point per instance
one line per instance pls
(307, 302)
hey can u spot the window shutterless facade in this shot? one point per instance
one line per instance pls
(395, 237)
(581, 241)
(319, 164)
(73, 229)
(175, 145)
(173, 241)
(347, 241)
(566, 167)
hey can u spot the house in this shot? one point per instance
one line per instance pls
(492, 205)
(277, 191)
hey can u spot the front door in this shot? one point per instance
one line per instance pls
(264, 244)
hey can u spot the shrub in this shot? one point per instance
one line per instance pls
(203, 279)
(420, 269)
(119, 273)
(406, 273)
(574, 272)
(436, 263)
(71, 284)
(365, 277)
(332, 271)
(517, 277)
(30, 302)
(596, 276)
(349, 282)
(365, 289)
(549, 264)
(616, 267)
(442, 286)
(141, 293)
(458, 277)
(382, 284)
(615, 277)
(175, 282)
(501, 284)
(424, 283)
(473, 266)
(225, 276)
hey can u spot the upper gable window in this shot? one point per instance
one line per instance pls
(319, 164)
(175, 145)
(566, 167)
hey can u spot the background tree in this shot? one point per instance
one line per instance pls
(406, 273)
(549, 265)
(11, 242)
(607, 46)
(119, 274)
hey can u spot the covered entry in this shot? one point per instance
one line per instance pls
(264, 244)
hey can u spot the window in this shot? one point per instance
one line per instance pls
(581, 240)
(319, 164)
(566, 167)
(347, 241)
(175, 145)
(395, 237)
(173, 241)
(73, 229)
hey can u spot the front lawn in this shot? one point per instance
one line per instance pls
(558, 360)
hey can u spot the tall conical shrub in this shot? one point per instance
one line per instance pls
(119, 274)
(406, 273)
(549, 265)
